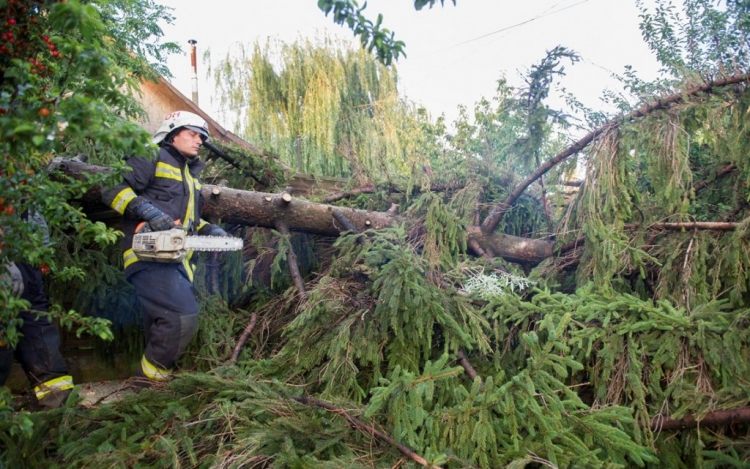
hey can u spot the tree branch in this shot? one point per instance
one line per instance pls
(243, 338)
(406, 451)
(715, 418)
(291, 258)
(721, 173)
(466, 364)
(490, 223)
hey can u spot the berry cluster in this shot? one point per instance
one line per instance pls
(23, 36)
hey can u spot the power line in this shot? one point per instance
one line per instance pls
(542, 15)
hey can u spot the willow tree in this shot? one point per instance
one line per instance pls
(323, 108)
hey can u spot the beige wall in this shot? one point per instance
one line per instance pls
(158, 101)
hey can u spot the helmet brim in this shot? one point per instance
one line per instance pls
(200, 130)
(160, 136)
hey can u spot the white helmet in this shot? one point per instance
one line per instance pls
(179, 119)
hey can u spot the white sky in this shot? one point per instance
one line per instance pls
(455, 54)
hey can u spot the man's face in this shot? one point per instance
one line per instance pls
(187, 142)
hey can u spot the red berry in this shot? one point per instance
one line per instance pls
(12, 21)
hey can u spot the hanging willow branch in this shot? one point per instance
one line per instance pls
(492, 220)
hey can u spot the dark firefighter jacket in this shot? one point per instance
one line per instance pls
(171, 183)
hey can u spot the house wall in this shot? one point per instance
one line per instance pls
(158, 101)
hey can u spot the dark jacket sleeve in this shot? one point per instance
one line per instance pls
(134, 182)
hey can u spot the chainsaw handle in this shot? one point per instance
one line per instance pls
(143, 227)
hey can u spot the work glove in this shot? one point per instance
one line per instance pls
(216, 231)
(156, 219)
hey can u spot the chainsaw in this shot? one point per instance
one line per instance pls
(173, 245)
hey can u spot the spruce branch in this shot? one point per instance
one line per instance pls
(719, 174)
(370, 189)
(406, 451)
(336, 196)
(496, 214)
(664, 226)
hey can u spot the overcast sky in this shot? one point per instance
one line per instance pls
(455, 54)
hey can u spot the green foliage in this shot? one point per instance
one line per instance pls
(682, 166)
(372, 36)
(66, 69)
(705, 37)
(240, 169)
(444, 241)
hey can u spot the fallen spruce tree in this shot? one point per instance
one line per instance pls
(622, 343)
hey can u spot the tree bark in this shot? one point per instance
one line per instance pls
(715, 418)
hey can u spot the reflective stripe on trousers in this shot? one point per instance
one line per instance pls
(63, 383)
(152, 371)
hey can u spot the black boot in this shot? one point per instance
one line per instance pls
(53, 400)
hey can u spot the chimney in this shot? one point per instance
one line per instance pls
(194, 66)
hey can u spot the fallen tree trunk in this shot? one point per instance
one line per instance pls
(267, 210)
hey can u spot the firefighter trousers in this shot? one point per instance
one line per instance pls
(170, 316)
(38, 349)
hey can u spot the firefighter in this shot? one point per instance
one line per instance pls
(161, 192)
(38, 348)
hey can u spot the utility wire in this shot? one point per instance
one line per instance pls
(513, 26)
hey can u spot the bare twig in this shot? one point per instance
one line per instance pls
(464, 362)
(291, 258)
(243, 338)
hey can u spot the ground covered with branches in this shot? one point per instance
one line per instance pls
(378, 365)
